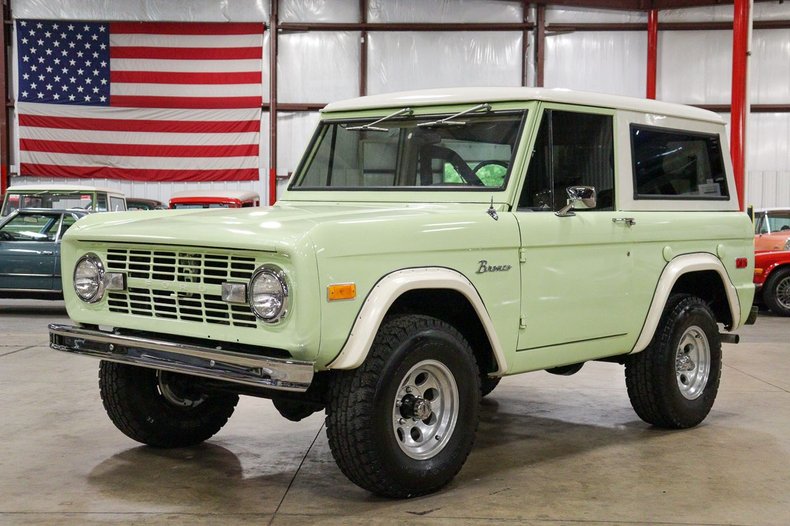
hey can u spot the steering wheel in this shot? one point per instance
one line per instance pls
(490, 162)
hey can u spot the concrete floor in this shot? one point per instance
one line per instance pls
(550, 451)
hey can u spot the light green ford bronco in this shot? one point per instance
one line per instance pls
(428, 244)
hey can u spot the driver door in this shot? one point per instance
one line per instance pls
(577, 270)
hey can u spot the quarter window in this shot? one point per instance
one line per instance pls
(672, 164)
(117, 204)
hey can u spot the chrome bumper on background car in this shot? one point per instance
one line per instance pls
(230, 366)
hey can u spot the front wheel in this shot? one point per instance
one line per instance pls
(403, 423)
(161, 409)
(776, 292)
(674, 381)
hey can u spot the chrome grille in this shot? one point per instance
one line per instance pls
(203, 308)
(186, 266)
(191, 269)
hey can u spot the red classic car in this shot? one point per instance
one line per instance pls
(772, 278)
(772, 229)
(214, 199)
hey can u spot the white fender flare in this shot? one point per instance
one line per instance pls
(672, 272)
(389, 289)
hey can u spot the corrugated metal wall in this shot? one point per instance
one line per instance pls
(320, 66)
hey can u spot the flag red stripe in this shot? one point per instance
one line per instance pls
(186, 53)
(189, 28)
(52, 170)
(145, 101)
(167, 77)
(122, 125)
(138, 150)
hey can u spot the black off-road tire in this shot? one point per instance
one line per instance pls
(136, 404)
(362, 411)
(776, 292)
(655, 377)
(488, 384)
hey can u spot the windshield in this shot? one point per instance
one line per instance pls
(475, 154)
(773, 221)
(61, 200)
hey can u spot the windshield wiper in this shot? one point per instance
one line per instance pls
(448, 121)
(372, 125)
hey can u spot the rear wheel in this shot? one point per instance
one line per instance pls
(403, 423)
(159, 408)
(674, 381)
(776, 292)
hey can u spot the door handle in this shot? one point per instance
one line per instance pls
(629, 221)
(47, 252)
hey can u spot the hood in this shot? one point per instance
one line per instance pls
(273, 229)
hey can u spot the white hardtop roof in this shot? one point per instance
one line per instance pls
(242, 195)
(453, 96)
(61, 188)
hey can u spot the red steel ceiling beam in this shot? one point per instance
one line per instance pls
(740, 104)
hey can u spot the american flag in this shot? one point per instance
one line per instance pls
(140, 100)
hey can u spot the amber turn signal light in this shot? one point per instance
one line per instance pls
(342, 291)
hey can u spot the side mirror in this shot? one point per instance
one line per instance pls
(579, 198)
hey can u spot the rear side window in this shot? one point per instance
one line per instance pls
(676, 164)
(117, 204)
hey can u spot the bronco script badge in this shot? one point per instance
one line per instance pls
(485, 267)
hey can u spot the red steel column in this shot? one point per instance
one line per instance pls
(652, 52)
(740, 104)
(4, 123)
(274, 23)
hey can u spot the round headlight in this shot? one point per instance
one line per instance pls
(88, 278)
(268, 293)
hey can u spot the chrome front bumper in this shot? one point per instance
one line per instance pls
(208, 362)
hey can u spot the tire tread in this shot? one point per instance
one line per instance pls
(351, 440)
(122, 388)
(649, 396)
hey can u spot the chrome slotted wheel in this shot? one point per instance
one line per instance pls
(425, 410)
(783, 292)
(692, 362)
(176, 390)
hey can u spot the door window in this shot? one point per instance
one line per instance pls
(572, 149)
(31, 227)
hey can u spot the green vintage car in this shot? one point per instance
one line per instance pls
(428, 244)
